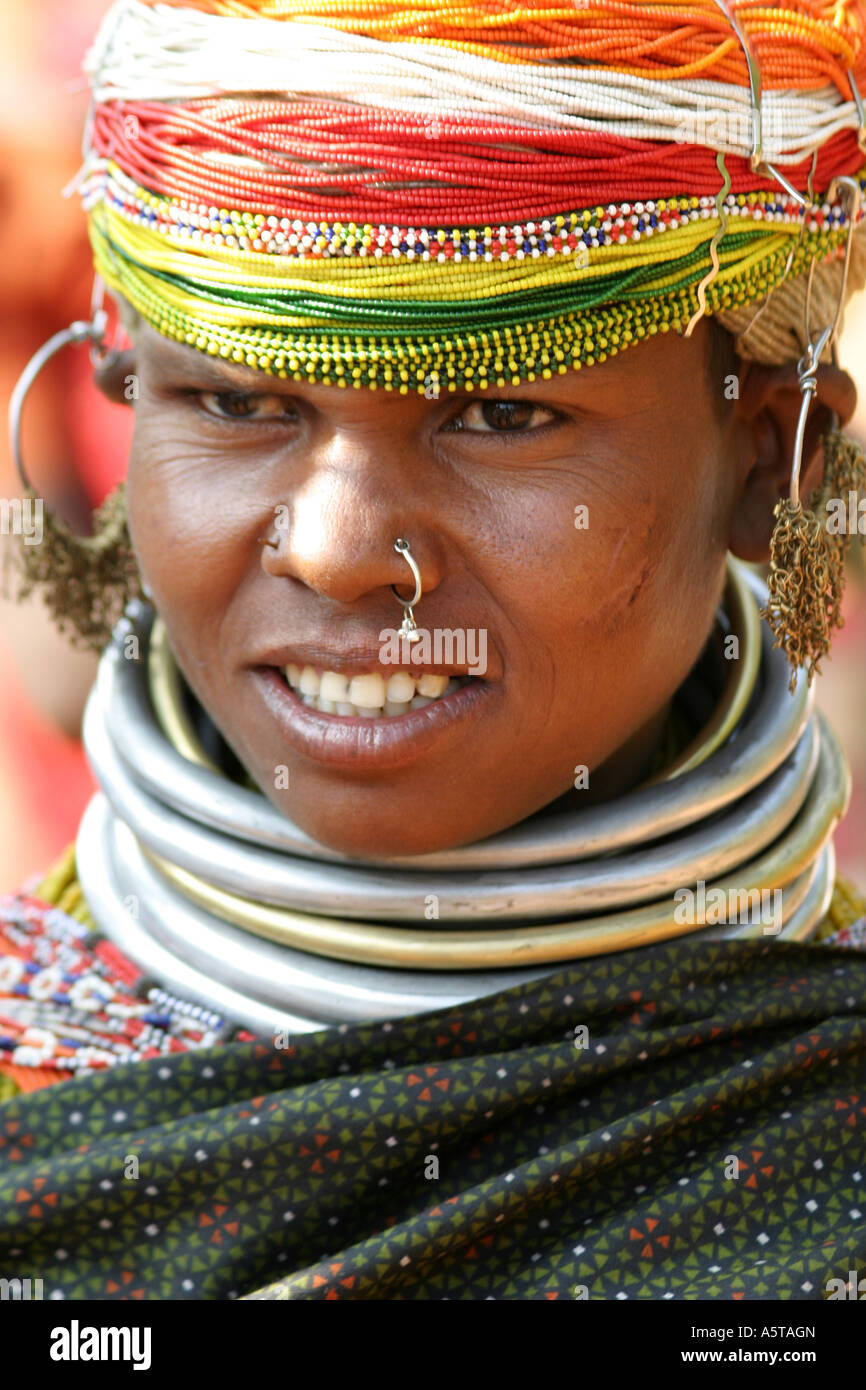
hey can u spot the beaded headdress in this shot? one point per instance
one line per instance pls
(471, 195)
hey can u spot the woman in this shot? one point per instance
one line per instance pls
(448, 707)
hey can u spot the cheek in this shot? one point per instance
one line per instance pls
(607, 553)
(662, 589)
(621, 590)
(187, 528)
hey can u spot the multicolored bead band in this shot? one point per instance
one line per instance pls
(71, 1001)
(328, 241)
(561, 235)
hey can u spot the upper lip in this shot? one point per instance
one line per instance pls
(352, 661)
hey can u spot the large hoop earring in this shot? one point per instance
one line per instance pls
(85, 581)
(806, 581)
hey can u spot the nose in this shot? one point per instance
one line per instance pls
(336, 530)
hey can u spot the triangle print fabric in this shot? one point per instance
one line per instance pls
(681, 1121)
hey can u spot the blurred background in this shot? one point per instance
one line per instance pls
(77, 445)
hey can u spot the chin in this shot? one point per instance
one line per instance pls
(373, 834)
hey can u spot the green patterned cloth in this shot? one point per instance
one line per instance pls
(702, 1139)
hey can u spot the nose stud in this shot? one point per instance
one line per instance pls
(409, 628)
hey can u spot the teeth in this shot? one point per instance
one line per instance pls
(368, 696)
(400, 688)
(432, 686)
(309, 682)
(367, 691)
(334, 686)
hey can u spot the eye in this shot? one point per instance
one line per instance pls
(503, 417)
(244, 405)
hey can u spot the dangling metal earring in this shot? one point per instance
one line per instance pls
(86, 581)
(807, 560)
(409, 628)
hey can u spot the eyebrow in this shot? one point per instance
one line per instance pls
(217, 372)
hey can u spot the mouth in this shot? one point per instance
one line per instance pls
(370, 694)
(369, 719)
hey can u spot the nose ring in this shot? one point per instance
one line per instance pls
(409, 628)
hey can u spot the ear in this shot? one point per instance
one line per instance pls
(113, 376)
(767, 409)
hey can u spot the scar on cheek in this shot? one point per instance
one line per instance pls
(647, 569)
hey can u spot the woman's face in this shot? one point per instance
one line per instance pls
(572, 532)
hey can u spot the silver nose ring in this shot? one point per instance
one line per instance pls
(409, 628)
